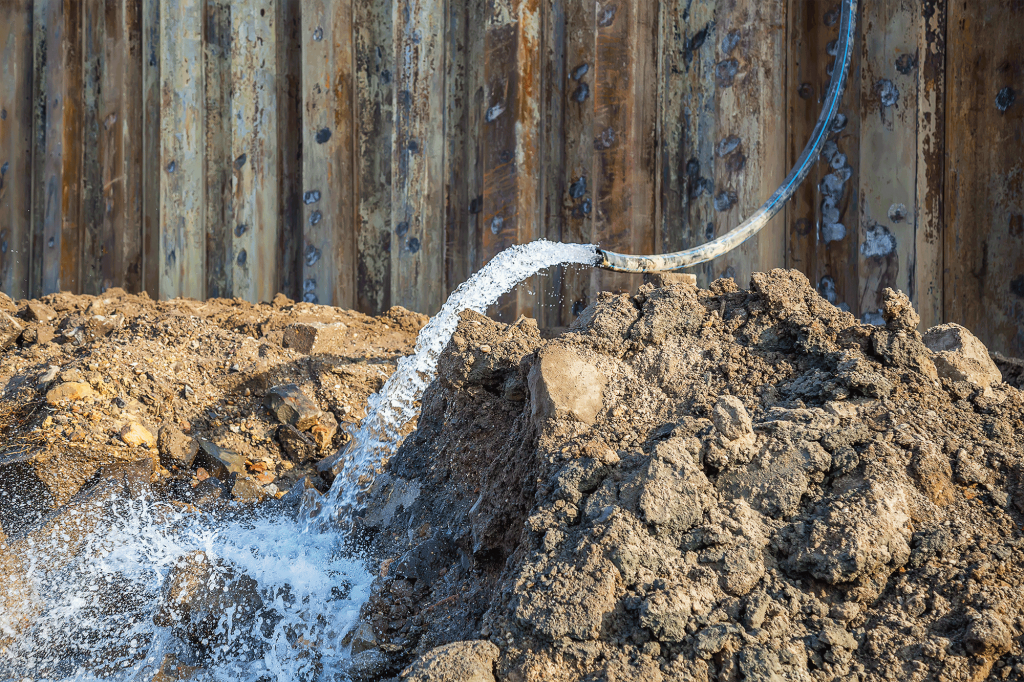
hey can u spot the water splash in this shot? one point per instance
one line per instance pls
(379, 433)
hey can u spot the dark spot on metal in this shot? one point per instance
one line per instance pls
(803, 227)
(3, 246)
(805, 91)
(1005, 98)
(318, 34)
(476, 204)
(417, 37)
(578, 307)
(827, 289)
(311, 254)
(696, 41)
(879, 241)
(839, 123)
(729, 273)
(310, 297)
(586, 207)
(725, 200)
(693, 168)
(580, 71)
(709, 232)
(496, 223)
(315, 217)
(705, 186)
(402, 228)
(49, 243)
(505, 156)
(311, 197)
(582, 92)
(830, 67)
(831, 16)
(905, 63)
(832, 48)
(605, 140)
(3, 168)
(309, 285)
(3, 114)
(829, 213)
(725, 72)
(838, 161)
(832, 232)
(888, 93)
(172, 166)
(730, 41)
(736, 162)
(829, 150)
(728, 145)
(898, 213)
(240, 161)
(1016, 225)
(414, 146)
(171, 256)
(323, 135)
(494, 112)
(606, 17)
(242, 257)
(578, 187)
(413, 245)
(1017, 286)
(831, 186)
(241, 229)
(385, 76)
(405, 99)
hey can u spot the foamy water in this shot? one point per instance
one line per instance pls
(92, 583)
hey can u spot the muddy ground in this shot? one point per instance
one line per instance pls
(687, 484)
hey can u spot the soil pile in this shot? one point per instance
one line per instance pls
(703, 485)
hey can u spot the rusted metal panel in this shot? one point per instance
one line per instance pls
(552, 166)
(888, 152)
(182, 257)
(625, 135)
(417, 170)
(823, 216)
(374, 69)
(750, 113)
(96, 256)
(328, 164)
(289, 136)
(150, 168)
(931, 130)
(253, 216)
(62, 165)
(16, 113)
(984, 188)
(218, 37)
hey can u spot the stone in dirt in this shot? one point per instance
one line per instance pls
(136, 435)
(324, 429)
(297, 446)
(247, 490)
(960, 356)
(220, 462)
(731, 418)
(290, 405)
(10, 330)
(69, 391)
(455, 662)
(565, 386)
(176, 449)
(314, 338)
(36, 311)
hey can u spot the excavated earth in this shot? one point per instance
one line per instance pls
(686, 484)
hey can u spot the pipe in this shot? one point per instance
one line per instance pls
(619, 262)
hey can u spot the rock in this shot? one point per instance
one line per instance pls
(666, 614)
(199, 595)
(69, 391)
(290, 405)
(663, 279)
(564, 386)
(324, 429)
(987, 635)
(960, 356)
(775, 485)
(173, 670)
(176, 449)
(10, 330)
(7, 303)
(47, 377)
(671, 491)
(247, 490)
(363, 639)
(297, 446)
(220, 462)
(838, 638)
(368, 666)
(37, 334)
(455, 662)
(731, 418)
(932, 473)
(314, 338)
(898, 312)
(36, 311)
(135, 435)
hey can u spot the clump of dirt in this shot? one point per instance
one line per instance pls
(704, 485)
(88, 382)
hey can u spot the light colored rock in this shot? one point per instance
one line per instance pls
(135, 434)
(39, 312)
(960, 356)
(10, 330)
(69, 391)
(324, 429)
(455, 662)
(565, 386)
(312, 338)
(731, 418)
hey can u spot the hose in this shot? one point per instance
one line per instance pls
(619, 262)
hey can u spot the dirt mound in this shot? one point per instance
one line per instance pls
(704, 485)
(87, 382)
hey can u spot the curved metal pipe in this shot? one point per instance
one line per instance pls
(619, 262)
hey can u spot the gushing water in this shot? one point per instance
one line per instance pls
(396, 404)
(84, 603)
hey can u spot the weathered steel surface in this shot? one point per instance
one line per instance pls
(182, 241)
(329, 211)
(374, 66)
(417, 162)
(16, 149)
(984, 190)
(289, 137)
(218, 36)
(150, 167)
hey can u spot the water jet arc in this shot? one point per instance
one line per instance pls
(619, 262)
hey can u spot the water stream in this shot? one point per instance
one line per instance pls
(92, 581)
